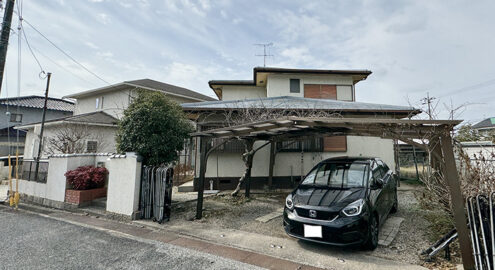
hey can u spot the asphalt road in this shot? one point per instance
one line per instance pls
(29, 241)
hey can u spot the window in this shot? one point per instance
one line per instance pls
(295, 86)
(338, 175)
(16, 117)
(97, 103)
(91, 146)
(309, 145)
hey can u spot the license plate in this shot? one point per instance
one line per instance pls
(312, 231)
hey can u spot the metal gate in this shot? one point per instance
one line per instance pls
(481, 224)
(156, 192)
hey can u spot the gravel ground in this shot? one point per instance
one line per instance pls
(240, 214)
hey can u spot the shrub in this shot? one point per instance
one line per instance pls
(86, 177)
(153, 126)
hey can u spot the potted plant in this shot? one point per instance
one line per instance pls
(85, 184)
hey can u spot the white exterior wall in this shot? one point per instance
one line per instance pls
(104, 135)
(231, 165)
(279, 84)
(234, 92)
(55, 186)
(123, 184)
(114, 102)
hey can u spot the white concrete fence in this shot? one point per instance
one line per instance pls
(124, 174)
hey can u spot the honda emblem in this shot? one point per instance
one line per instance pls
(312, 213)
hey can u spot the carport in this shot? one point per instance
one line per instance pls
(436, 132)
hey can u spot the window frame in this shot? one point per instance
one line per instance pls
(292, 82)
(87, 146)
(15, 115)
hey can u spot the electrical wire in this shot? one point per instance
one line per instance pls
(66, 54)
(42, 70)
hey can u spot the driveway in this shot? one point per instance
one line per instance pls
(30, 241)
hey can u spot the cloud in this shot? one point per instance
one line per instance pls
(412, 47)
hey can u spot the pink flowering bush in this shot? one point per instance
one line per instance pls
(86, 177)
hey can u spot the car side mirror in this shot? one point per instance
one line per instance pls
(377, 184)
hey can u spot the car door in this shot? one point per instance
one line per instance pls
(388, 185)
(377, 194)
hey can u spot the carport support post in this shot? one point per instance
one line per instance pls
(272, 163)
(452, 179)
(203, 142)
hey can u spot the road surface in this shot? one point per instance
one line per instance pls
(30, 241)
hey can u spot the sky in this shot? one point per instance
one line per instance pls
(443, 48)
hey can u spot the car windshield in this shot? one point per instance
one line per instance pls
(338, 175)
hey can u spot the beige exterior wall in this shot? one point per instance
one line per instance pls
(114, 102)
(278, 84)
(233, 92)
(287, 164)
(104, 135)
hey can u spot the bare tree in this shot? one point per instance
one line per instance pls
(243, 113)
(73, 138)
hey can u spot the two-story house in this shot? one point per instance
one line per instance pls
(96, 114)
(18, 111)
(332, 91)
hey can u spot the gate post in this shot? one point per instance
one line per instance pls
(202, 171)
(452, 179)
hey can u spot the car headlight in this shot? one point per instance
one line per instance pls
(354, 208)
(288, 202)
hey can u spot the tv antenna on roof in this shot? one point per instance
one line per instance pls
(265, 51)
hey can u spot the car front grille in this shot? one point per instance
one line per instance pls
(321, 215)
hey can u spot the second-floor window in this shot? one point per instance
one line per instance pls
(97, 103)
(295, 86)
(16, 117)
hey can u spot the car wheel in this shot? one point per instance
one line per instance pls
(395, 207)
(372, 241)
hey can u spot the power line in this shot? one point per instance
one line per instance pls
(66, 54)
(57, 64)
(467, 88)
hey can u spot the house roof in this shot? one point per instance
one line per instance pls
(93, 118)
(487, 123)
(38, 102)
(147, 84)
(298, 103)
(260, 76)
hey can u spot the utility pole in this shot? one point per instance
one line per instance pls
(49, 75)
(428, 100)
(4, 37)
(265, 51)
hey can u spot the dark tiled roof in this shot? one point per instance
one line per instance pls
(487, 123)
(37, 102)
(165, 87)
(289, 102)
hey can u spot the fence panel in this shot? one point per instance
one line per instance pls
(481, 225)
(156, 192)
(28, 168)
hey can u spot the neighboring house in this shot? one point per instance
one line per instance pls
(114, 99)
(18, 111)
(486, 126)
(96, 115)
(332, 91)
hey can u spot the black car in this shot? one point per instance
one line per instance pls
(342, 201)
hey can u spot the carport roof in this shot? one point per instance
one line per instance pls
(299, 127)
(298, 103)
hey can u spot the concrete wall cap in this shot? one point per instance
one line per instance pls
(79, 155)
